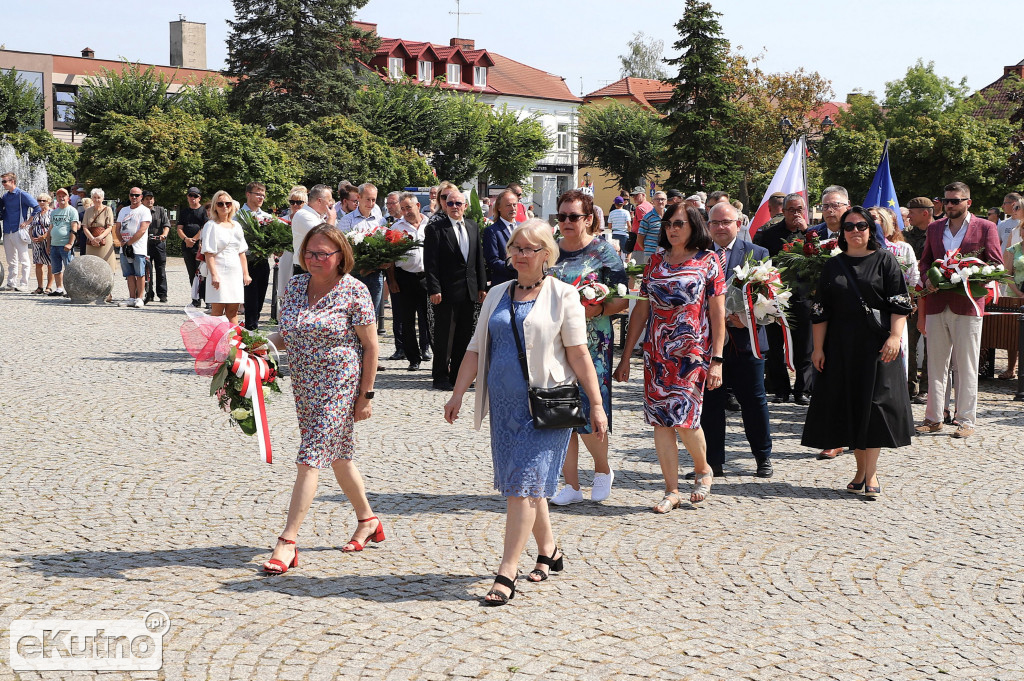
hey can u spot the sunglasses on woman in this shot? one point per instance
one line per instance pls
(223, 204)
(296, 202)
(571, 217)
(858, 226)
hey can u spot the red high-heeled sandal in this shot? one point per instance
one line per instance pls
(276, 567)
(377, 537)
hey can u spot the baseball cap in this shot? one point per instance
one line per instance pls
(637, 190)
(194, 190)
(146, 193)
(619, 201)
(61, 191)
(673, 194)
(778, 195)
(693, 197)
(920, 202)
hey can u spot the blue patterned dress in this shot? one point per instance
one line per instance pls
(677, 351)
(326, 361)
(598, 256)
(527, 461)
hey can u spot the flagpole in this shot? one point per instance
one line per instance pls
(807, 188)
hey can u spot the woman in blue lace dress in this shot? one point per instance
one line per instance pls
(552, 328)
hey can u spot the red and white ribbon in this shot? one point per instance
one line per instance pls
(953, 262)
(751, 318)
(253, 370)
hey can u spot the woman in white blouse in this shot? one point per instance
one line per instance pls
(223, 248)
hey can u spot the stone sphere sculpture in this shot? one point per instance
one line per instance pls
(88, 279)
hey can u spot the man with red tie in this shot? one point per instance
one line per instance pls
(952, 324)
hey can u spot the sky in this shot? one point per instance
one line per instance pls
(861, 48)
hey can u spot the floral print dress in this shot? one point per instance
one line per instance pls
(599, 257)
(325, 357)
(677, 351)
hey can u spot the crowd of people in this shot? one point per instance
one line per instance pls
(496, 306)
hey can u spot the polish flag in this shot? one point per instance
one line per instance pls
(790, 178)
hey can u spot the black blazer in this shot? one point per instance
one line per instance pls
(447, 272)
(739, 339)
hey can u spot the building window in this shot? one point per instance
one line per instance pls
(426, 71)
(64, 103)
(562, 139)
(454, 74)
(480, 76)
(396, 68)
(35, 79)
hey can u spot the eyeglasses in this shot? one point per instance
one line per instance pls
(6, 182)
(194, 196)
(676, 224)
(134, 196)
(258, 196)
(953, 202)
(223, 204)
(320, 255)
(833, 206)
(859, 226)
(296, 202)
(519, 250)
(720, 223)
(519, 196)
(453, 204)
(571, 217)
(793, 210)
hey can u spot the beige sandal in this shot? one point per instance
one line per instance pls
(670, 501)
(700, 490)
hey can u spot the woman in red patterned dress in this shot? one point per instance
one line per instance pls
(685, 319)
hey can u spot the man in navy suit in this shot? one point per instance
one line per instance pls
(496, 238)
(835, 201)
(742, 371)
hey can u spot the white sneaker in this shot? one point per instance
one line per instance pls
(602, 488)
(127, 302)
(567, 495)
(139, 303)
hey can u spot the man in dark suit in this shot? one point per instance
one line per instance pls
(793, 226)
(952, 323)
(742, 371)
(496, 238)
(456, 282)
(835, 201)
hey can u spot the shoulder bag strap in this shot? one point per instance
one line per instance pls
(515, 334)
(853, 281)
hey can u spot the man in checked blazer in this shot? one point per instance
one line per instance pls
(951, 323)
(456, 281)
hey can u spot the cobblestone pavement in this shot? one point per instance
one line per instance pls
(124, 490)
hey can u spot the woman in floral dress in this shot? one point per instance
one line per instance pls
(329, 329)
(685, 287)
(580, 253)
(38, 231)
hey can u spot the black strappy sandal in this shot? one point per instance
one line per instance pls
(502, 598)
(553, 565)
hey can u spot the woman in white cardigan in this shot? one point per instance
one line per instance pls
(552, 327)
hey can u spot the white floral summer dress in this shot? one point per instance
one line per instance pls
(325, 358)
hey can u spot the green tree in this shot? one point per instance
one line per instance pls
(700, 152)
(403, 112)
(1013, 173)
(923, 93)
(849, 157)
(21, 105)
(61, 158)
(643, 58)
(294, 60)
(513, 147)
(162, 152)
(236, 154)
(623, 139)
(458, 154)
(207, 98)
(335, 148)
(129, 92)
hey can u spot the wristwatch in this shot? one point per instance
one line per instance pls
(368, 394)
(720, 360)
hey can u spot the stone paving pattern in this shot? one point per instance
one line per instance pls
(125, 490)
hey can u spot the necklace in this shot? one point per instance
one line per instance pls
(315, 298)
(531, 286)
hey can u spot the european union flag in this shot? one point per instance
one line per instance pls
(882, 191)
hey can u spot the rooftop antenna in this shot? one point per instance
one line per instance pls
(458, 18)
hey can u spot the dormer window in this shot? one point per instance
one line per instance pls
(480, 76)
(426, 71)
(396, 68)
(454, 74)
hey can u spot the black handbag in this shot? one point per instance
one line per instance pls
(557, 407)
(875, 320)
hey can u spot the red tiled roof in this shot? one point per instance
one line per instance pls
(999, 104)
(828, 109)
(644, 91)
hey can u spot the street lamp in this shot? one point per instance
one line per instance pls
(786, 130)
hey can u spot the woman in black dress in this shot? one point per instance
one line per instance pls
(860, 396)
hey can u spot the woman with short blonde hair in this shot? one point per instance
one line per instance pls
(98, 223)
(224, 248)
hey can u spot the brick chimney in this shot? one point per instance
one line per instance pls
(88, 53)
(1016, 68)
(464, 43)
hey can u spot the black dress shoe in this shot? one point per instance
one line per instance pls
(780, 399)
(717, 472)
(427, 356)
(413, 366)
(443, 385)
(801, 399)
(398, 354)
(764, 469)
(731, 403)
